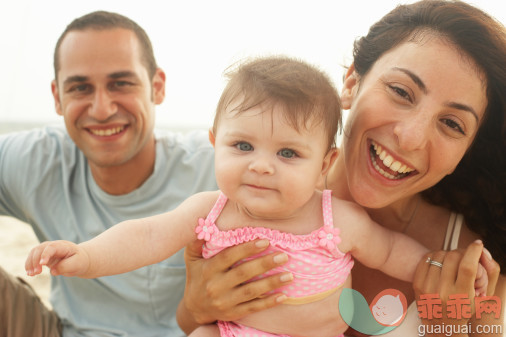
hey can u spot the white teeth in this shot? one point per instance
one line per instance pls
(395, 166)
(389, 162)
(107, 132)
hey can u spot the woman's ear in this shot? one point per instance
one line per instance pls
(212, 139)
(349, 87)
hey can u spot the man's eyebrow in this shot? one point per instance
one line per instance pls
(121, 74)
(116, 75)
(418, 81)
(75, 79)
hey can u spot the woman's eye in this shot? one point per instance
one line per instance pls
(401, 92)
(244, 146)
(287, 153)
(453, 125)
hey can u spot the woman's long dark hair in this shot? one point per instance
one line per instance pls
(477, 187)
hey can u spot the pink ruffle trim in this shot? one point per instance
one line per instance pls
(327, 238)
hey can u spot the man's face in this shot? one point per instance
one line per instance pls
(106, 97)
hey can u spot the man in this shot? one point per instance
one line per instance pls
(107, 166)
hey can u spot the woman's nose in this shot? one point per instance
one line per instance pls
(413, 132)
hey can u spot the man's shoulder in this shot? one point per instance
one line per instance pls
(189, 142)
(38, 139)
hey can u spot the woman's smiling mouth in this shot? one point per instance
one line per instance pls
(386, 165)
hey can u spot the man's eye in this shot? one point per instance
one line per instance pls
(287, 153)
(119, 84)
(79, 88)
(244, 146)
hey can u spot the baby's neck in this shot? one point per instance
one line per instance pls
(302, 220)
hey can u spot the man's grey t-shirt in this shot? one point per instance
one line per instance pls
(45, 181)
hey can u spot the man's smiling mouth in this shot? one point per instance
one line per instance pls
(107, 132)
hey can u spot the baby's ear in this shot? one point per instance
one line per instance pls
(212, 139)
(329, 159)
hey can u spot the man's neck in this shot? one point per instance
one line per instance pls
(125, 178)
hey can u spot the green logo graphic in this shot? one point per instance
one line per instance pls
(386, 312)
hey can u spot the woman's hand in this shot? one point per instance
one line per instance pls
(216, 291)
(457, 276)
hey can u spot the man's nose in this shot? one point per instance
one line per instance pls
(102, 105)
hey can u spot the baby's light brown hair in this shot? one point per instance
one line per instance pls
(305, 93)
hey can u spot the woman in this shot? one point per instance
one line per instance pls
(423, 144)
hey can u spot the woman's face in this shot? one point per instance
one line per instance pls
(412, 117)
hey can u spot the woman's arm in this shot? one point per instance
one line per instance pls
(215, 291)
(126, 246)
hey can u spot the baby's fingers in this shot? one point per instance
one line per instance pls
(48, 254)
(32, 263)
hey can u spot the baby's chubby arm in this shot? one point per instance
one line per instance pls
(126, 246)
(375, 246)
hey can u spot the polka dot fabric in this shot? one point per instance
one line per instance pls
(314, 259)
(231, 329)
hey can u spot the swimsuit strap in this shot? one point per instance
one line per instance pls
(453, 231)
(328, 220)
(217, 208)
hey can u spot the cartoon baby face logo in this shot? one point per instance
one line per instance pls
(389, 307)
(386, 311)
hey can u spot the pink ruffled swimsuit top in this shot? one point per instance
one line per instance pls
(318, 266)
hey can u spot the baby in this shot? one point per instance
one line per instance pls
(274, 138)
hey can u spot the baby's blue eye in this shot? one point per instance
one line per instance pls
(287, 153)
(244, 146)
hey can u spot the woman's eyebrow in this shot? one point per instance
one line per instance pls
(463, 107)
(418, 81)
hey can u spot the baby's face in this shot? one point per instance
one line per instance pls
(266, 165)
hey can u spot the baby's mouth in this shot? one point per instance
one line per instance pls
(386, 165)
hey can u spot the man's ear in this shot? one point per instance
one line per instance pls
(349, 87)
(212, 139)
(56, 97)
(158, 84)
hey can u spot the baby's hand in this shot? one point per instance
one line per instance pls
(481, 281)
(61, 257)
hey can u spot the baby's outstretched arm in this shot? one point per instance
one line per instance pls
(62, 257)
(126, 246)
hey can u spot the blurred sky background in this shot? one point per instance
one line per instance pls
(194, 41)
